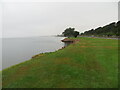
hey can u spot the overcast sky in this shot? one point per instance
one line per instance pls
(24, 19)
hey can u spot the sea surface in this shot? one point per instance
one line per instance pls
(17, 50)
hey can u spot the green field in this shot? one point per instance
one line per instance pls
(89, 63)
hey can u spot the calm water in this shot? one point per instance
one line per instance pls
(16, 50)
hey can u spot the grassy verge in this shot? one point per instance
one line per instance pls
(89, 63)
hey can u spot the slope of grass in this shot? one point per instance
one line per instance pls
(89, 63)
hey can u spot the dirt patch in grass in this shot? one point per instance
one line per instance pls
(67, 61)
(89, 65)
(94, 65)
(99, 46)
(62, 60)
(38, 55)
(20, 72)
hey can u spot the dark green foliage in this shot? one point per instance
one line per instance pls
(69, 32)
(111, 29)
(76, 33)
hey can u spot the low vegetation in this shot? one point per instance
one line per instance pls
(89, 63)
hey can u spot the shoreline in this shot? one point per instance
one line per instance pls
(51, 69)
(64, 41)
(23, 50)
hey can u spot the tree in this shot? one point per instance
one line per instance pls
(76, 33)
(69, 32)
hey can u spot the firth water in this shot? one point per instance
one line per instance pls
(17, 50)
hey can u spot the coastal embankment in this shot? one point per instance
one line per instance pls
(88, 63)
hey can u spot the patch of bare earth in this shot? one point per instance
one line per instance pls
(99, 46)
(37, 55)
(94, 65)
(20, 72)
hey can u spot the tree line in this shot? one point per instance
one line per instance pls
(109, 30)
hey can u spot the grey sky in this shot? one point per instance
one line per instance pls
(24, 19)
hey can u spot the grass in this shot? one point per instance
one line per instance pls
(89, 63)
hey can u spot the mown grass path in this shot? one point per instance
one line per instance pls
(89, 63)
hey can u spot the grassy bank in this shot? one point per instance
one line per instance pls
(89, 63)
